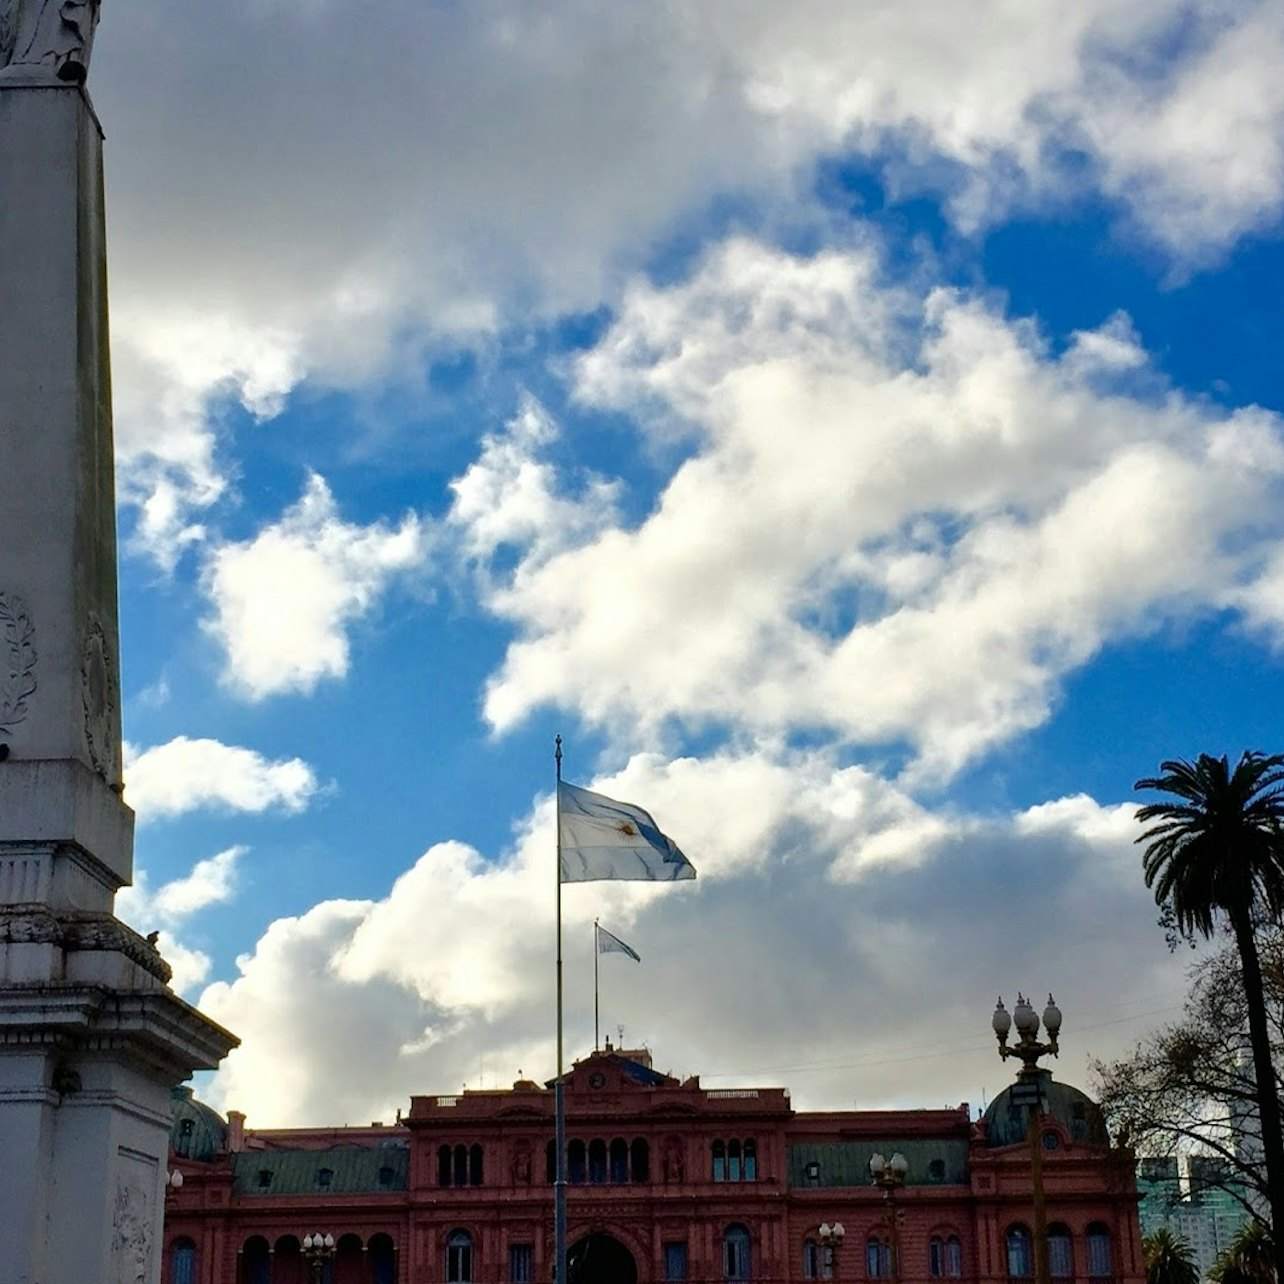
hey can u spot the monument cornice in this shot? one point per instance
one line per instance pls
(38, 925)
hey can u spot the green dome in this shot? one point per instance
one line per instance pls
(1006, 1123)
(198, 1132)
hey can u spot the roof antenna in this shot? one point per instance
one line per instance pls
(620, 1028)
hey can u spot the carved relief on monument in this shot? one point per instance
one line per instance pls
(17, 664)
(99, 694)
(56, 35)
(134, 1230)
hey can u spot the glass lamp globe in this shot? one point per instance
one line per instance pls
(1002, 1020)
(1027, 1023)
(1052, 1018)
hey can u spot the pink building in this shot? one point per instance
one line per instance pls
(670, 1181)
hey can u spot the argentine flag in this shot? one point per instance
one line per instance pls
(602, 838)
(609, 943)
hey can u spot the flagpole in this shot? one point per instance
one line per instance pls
(559, 1099)
(596, 951)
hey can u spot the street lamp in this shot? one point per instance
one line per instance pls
(318, 1248)
(831, 1239)
(1028, 1092)
(889, 1177)
(173, 1183)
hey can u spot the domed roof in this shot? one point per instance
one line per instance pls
(1006, 1122)
(198, 1132)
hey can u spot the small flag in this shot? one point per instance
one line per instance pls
(609, 943)
(602, 838)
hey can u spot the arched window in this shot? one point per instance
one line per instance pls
(811, 1260)
(736, 1253)
(751, 1159)
(255, 1263)
(953, 1257)
(597, 1161)
(459, 1257)
(936, 1257)
(619, 1160)
(475, 1166)
(550, 1163)
(1100, 1265)
(575, 1162)
(383, 1259)
(1020, 1265)
(1060, 1253)
(640, 1157)
(182, 1262)
(936, 1170)
(719, 1161)
(460, 1174)
(733, 1160)
(878, 1258)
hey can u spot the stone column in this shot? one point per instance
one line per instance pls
(91, 1037)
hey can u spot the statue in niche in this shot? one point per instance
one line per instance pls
(521, 1167)
(674, 1168)
(50, 35)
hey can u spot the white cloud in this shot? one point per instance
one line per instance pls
(904, 519)
(528, 157)
(452, 971)
(1262, 599)
(212, 881)
(508, 499)
(1198, 153)
(185, 774)
(190, 968)
(285, 600)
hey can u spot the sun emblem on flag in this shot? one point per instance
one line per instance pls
(626, 828)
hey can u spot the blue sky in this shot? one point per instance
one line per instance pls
(856, 430)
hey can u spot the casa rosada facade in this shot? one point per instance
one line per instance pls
(669, 1181)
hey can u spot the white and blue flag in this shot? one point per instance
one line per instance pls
(609, 943)
(602, 838)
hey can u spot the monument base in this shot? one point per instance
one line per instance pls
(85, 1115)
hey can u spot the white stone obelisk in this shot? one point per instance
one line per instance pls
(91, 1037)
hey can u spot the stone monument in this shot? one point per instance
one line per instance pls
(91, 1037)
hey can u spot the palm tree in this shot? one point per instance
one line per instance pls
(1169, 1258)
(1248, 1259)
(1220, 851)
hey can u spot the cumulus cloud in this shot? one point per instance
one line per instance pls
(285, 600)
(527, 157)
(185, 774)
(452, 971)
(212, 881)
(508, 499)
(903, 518)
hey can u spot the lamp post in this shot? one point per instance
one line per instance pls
(318, 1248)
(1028, 1091)
(831, 1240)
(889, 1177)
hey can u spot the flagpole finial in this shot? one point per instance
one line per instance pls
(557, 750)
